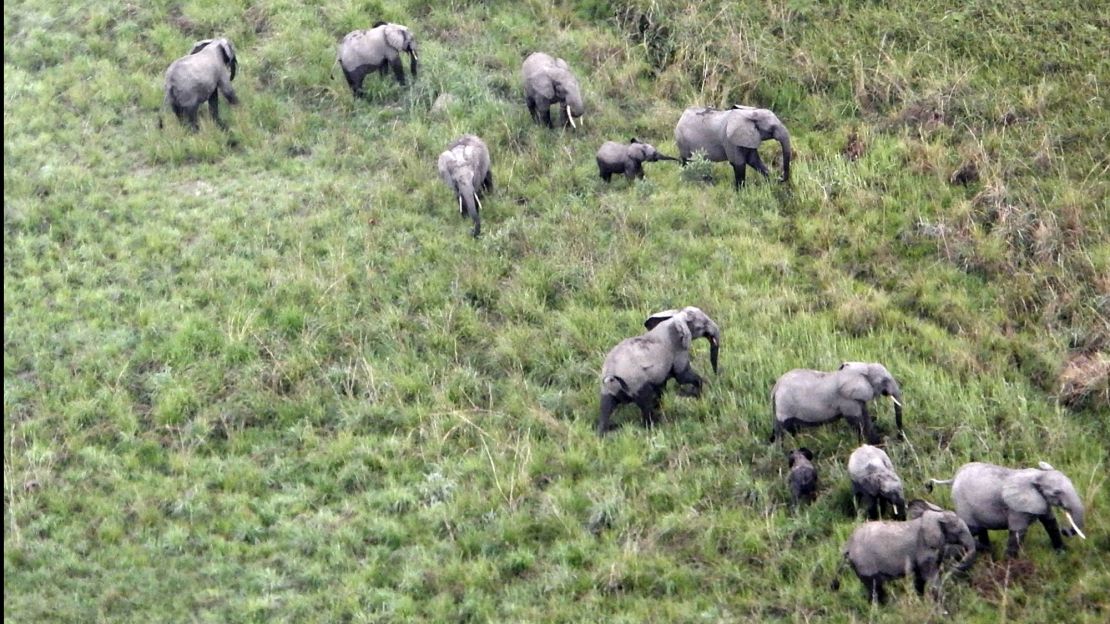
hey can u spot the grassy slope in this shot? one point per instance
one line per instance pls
(268, 376)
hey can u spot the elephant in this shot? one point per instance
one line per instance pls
(874, 481)
(880, 551)
(637, 369)
(733, 135)
(803, 476)
(379, 48)
(201, 75)
(627, 158)
(465, 167)
(804, 397)
(548, 80)
(990, 497)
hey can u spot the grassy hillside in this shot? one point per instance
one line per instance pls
(267, 375)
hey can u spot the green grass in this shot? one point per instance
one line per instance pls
(267, 375)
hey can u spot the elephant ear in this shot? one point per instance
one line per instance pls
(229, 56)
(932, 534)
(637, 152)
(917, 508)
(561, 64)
(682, 331)
(395, 36)
(1021, 492)
(741, 130)
(806, 452)
(857, 388)
(200, 45)
(634, 140)
(658, 318)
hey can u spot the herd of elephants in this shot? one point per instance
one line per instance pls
(922, 535)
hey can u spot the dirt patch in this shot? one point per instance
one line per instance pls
(1084, 381)
(993, 580)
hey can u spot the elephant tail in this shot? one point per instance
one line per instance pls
(166, 101)
(835, 584)
(608, 380)
(931, 482)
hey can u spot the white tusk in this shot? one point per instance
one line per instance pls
(461, 211)
(896, 401)
(414, 56)
(1075, 528)
(571, 118)
(478, 200)
(895, 509)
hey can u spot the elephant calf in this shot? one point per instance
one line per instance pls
(637, 369)
(201, 76)
(465, 167)
(627, 158)
(379, 48)
(882, 551)
(733, 135)
(990, 497)
(803, 476)
(804, 397)
(547, 81)
(874, 481)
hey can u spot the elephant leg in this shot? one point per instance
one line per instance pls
(1013, 543)
(752, 158)
(687, 377)
(875, 591)
(648, 402)
(214, 108)
(776, 432)
(354, 79)
(868, 425)
(532, 109)
(982, 539)
(191, 117)
(487, 182)
(545, 113)
(398, 70)
(1050, 525)
(738, 173)
(608, 406)
(1018, 523)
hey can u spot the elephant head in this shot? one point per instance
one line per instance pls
(400, 39)
(871, 380)
(645, 152)
(941, 529)
(697, 323)
(799, 455)
(226, 49)
(567, 91)
(749, 126)
(1036, 491)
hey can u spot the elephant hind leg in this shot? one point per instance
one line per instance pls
(355, 78)
(648, 402)
(487, 182)
(874, 587)
(214, 109)
(608, 406)
(982, 539)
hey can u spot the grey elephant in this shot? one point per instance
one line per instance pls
(874, 481)
(884, 550)
(379, 48)
(803, 476)
(733, 135)
(627, 158)
(990, 497)
(465, 167)
(804, 397)
(547, 81)
(637, 369)
(201, 76)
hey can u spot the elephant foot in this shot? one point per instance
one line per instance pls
(689, 391)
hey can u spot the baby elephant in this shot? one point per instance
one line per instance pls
(637, 369)
(201, 76)
(465, 167)
(874, 482)
(882, 551)
(627, 158)
(803, 476)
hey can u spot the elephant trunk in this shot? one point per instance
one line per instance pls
(896, 396)
(784, 140)
(714, 336)
(662, 157)
(413, 60)
(1073, 512)
(468, 200)
(968, 544)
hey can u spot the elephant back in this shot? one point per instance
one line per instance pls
(699, 129)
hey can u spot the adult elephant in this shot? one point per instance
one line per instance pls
(733, 135)
(379, 48)
(803, 397)
(548, 80)
(990, 497)
(465, 167)
(199, 77)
